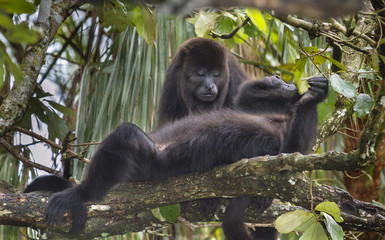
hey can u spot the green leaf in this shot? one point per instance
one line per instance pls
(204, 22)
(343, 87)
(12, 67)
(311, 50)
(309, 221)
(116, 15)
(63, 109)
(335, 230)
(170, 212)
(324, 109)
(17, 6)
(225, 25)
(5, 21)
(25, 122)
(302, 84)
(382, 57)
(288, 222)
(256, 18)
(319, 59)
(2, 72)
(145, 22)
(21, 34)
(57, 127)
(363, 105)
(330, 208)
(157, 214)
(335, 62)
(240, 37)
(314, 232)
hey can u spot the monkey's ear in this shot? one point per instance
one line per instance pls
(178, 60)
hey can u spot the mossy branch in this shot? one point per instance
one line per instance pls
(126, 207)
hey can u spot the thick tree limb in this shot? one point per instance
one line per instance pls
(126, 207)
(324, 28)
(309, 8)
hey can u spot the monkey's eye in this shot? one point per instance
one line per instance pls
(217, 74)
(200, 73)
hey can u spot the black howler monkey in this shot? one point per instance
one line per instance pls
(202, 76)
(270, 117)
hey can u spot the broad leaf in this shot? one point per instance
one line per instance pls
(363, 105)
(5, 21)
(256, 18)
(314, 232)
(170, 212)
(343, 87)
(319, 59)
(311, 50)
(204, 22)
(330, 208)
(21, 33)
(309, 221)
(335, 230)
(17, 6)
(335, 62)
(63, 109)
(302, 84)
(57, 127)
(145, 22)
(116, 14)
(288, 222)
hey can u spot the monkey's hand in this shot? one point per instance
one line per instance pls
(317, 91)
(66, 200)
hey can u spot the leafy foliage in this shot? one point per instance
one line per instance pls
(343, 87)
(119, 15)
(309, 223)
(14, 33)
(170, 212)
(363, 105)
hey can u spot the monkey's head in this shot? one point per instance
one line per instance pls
(205, 71)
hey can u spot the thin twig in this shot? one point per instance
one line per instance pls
(311, 59)
(53, 144)
(27, 163)
(229, 35)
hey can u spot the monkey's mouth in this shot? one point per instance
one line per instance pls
(207, 97)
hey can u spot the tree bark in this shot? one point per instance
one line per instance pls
(126, 207)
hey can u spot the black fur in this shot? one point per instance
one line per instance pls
(202, 76)
(49, 183)
(270, 118)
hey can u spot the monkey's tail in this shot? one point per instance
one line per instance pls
(49, 183)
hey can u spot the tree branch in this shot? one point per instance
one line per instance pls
(126, 207)
(331, 126)
(322, 28)
(25, 161)
(53, 144)
(229, 35)
(309, 8)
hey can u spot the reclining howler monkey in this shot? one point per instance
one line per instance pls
(270, 117)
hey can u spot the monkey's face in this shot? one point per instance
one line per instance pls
(279, 88)
(203, 83)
